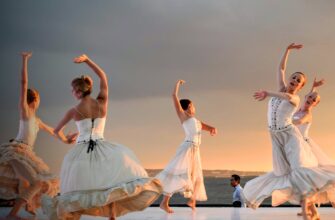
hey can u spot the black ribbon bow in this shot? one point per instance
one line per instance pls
(91, 143)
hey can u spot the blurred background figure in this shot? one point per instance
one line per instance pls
(237, 195)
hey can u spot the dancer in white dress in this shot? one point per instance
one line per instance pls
(296, 176)
(303, 120)
(23, 175)
(184, 172)
(98, 177)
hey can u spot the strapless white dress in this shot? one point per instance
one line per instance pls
(296, 172)
(20, 151)
(96, 173)
(183, 174)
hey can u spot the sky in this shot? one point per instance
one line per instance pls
(224, 50)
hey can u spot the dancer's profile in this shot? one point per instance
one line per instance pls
(183, 173)
(296, 176)
(23, 175)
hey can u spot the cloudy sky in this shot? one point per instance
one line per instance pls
(225, 50)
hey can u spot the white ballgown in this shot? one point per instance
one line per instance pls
(296, 171)
(183, 173)
(20, 167)
(96, 173)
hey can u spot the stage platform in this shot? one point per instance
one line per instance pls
(205, 213)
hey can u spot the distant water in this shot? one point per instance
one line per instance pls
(217, 183)
(219, 192)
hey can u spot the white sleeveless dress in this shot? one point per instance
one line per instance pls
(19, 153)
(323, 160)
(183, 173)
(296, 172)
(96, 173)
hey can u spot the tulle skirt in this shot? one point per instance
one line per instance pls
(16, 158)
(90, 182)
(297, 174)
(183, 174)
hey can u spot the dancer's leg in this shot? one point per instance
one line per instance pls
(165, 204)
(30, 192)
(304, 206)
(112, 215)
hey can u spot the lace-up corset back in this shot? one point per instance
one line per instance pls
(88, 130)
(192, 128)
(304, 128)
(280, 112)
(28, 131)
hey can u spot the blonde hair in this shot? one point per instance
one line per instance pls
(83, 84)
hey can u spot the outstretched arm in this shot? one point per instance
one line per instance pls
(24, 84)
(261, 95)
(175, 98)
(58, 131)
(68, 139)
(282, 66)
(317, 84)
(213, 131)
(103, 94)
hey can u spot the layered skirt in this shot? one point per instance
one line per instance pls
(183, 174)
(92, 181)
(18, 163)
(297, 173)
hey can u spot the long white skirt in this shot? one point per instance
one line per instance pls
(183, 173)
(90, 182)
(296, 174)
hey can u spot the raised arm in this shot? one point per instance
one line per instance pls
(179, 110)
(261, 95)
(213, 131)
(282, 66)
(317, 84)
(103, 94)
(24, 84)
(58, 131)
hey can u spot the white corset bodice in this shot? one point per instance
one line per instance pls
(280, 112)
(303, 128)
(192, 128)
(88, 129)
(28, 130)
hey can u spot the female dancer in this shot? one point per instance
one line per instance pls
(98, 177)
(296, 176)
(23, 175)
(303, 120)
(184, 172)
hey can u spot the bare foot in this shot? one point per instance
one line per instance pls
(300, 214)
(191, 203)
(166, 208)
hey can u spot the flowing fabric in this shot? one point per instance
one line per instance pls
(183, 174)
(297, 173)
(91, 180)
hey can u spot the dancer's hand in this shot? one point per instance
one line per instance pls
(71, 137)
(294, 46)
(26, 55)
(181, 82)
(213, 131)
(318, 83)
(81, 59)
(260, 95)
